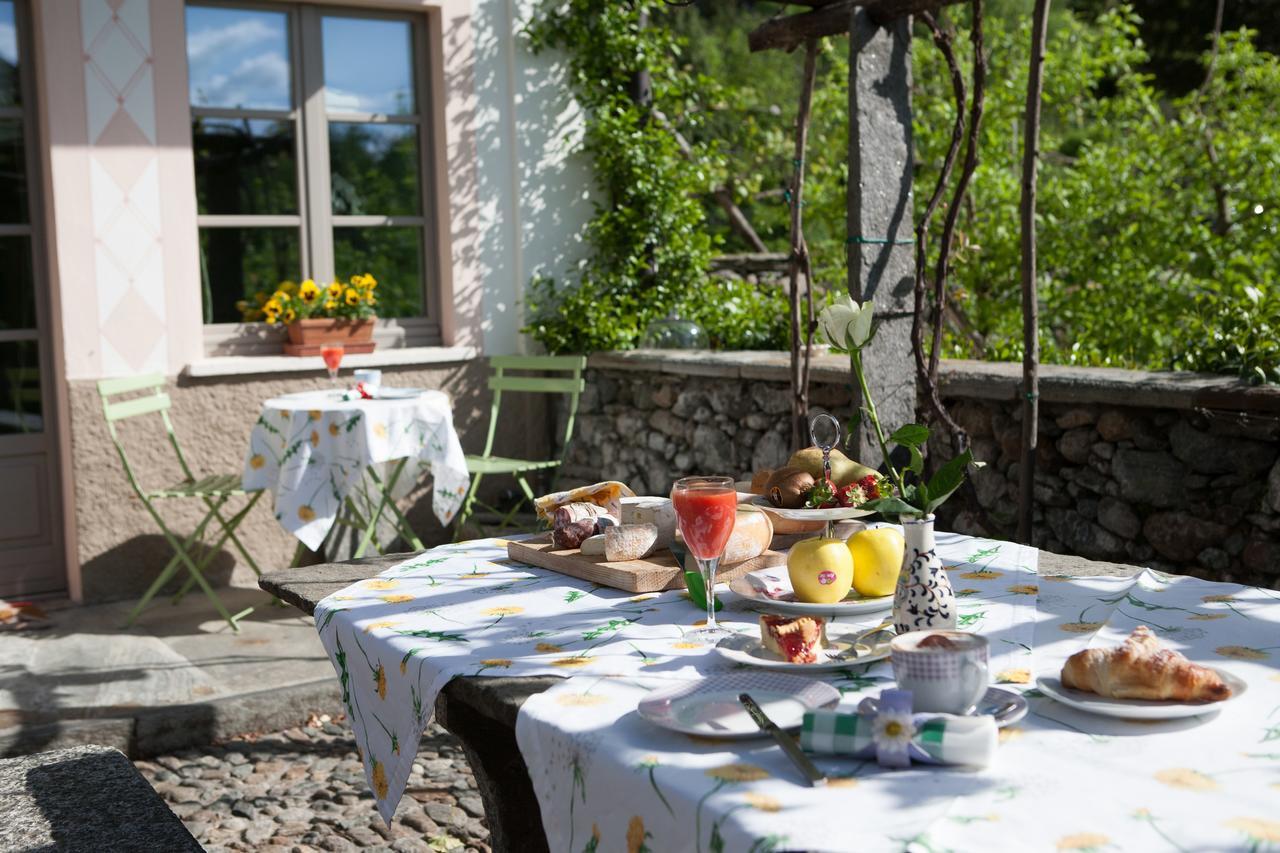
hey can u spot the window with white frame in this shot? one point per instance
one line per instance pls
(310, 138)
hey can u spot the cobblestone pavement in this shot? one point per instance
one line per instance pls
(303, 790)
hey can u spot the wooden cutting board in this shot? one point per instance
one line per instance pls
(656, 572)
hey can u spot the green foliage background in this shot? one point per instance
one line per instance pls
(1136, 267)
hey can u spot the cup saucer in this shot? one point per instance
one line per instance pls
(1007, 706)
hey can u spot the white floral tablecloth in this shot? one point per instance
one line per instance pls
(312, 450)
(466, 609)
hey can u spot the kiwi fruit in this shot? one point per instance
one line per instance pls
(788, 486)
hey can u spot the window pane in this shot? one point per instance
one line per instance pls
(238, 58)
(353, 80)
(21, 409)
(10, 92)
(13, 174)
(236, 263)
(17, 284)
(245, 166)
(391, 255)
(374, 169)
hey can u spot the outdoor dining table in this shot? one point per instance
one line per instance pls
(566, 759)
(329, 460)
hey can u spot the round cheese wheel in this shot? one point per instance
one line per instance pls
(752, 533)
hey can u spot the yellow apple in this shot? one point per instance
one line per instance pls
(821, 570)
(877, 559)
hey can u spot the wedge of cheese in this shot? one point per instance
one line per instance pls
(652, 510)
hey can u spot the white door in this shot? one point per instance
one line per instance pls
(30, 534)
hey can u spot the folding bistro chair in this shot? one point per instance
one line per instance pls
(214, 491)
(486, 463)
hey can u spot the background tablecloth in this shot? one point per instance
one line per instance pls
(312, 449)
(466, 609)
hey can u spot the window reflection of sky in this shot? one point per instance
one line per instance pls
(238, 58)
(8, 34)
(353, 83)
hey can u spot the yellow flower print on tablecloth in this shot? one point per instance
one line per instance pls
(1083, 841)
(982, 575)
(763, 802)
(1217, 599)
(842, 782)
(334, 430)
(1024, 589)
(1014, 676)
(1259, 831)
(498, 663)
(1186, 779)
(306, 513)
(398, 598)
(1207, 617)
(547, 648)
(685, 644)
(737, 772)
(379, 583)
(383, 623)
(581, 700)
(380, 430)
(1080, 627)
(510, 610)
(1242, 653)
(573, 662)
(315, 438)
(380, 681)
(637, 836)
(1009, 733)
(379, 780)
(256, 461)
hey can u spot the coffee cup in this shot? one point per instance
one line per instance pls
(946, 671)
(370, 377)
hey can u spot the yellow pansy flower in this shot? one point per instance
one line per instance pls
(308, 292)
(352, 297)
(271, 311)
(334, 290)
(737, 772)
(330, 304)
(290, 315)
(287, 287)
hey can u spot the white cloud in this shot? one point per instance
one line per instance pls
(261, 81)
(208, 43)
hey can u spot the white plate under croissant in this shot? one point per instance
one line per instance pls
(1137, 709)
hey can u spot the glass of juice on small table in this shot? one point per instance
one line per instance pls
(332, 355)
(706, 509)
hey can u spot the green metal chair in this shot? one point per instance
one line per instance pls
(214, 491)
(486, 463)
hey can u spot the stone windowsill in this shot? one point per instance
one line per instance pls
(253, 365)
(975, 379)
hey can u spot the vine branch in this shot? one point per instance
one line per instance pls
(799, 260)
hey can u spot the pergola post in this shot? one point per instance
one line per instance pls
(880, 249)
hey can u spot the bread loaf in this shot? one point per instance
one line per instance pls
(651, 510)
(629, 542)
(752, 533)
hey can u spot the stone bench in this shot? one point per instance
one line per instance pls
(86, 798)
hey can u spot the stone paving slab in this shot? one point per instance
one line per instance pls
(86, 798)
(179, 677)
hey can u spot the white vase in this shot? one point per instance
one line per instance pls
(923, 598)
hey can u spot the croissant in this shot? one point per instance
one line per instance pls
(1141, 669)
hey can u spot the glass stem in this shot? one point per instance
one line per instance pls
(708, 569)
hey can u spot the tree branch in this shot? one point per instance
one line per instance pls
(800, 257)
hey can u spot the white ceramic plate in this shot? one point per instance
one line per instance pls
(835, 513)
(839, 654)
(1137, 709)
(1007, 706)
(709, 707)
(852, 605)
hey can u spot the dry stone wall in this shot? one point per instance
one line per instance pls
(1177, 472)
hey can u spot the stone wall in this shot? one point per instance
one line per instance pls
(1174, 471)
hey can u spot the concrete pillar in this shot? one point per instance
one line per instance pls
(880, 252)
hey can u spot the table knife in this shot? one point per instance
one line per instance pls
(813, 777)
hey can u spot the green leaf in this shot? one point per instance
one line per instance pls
(910, 435)
(946, 480)
(891, 507)
(917, 460)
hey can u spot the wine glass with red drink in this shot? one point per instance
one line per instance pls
(706, 508)
(332, 355)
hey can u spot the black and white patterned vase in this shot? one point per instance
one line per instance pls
(923, 599)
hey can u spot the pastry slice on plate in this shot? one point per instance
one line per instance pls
(795, 639)
(1140, 668)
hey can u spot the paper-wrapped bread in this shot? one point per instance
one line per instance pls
(608, 495)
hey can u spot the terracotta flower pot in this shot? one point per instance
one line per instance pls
(307, 336)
